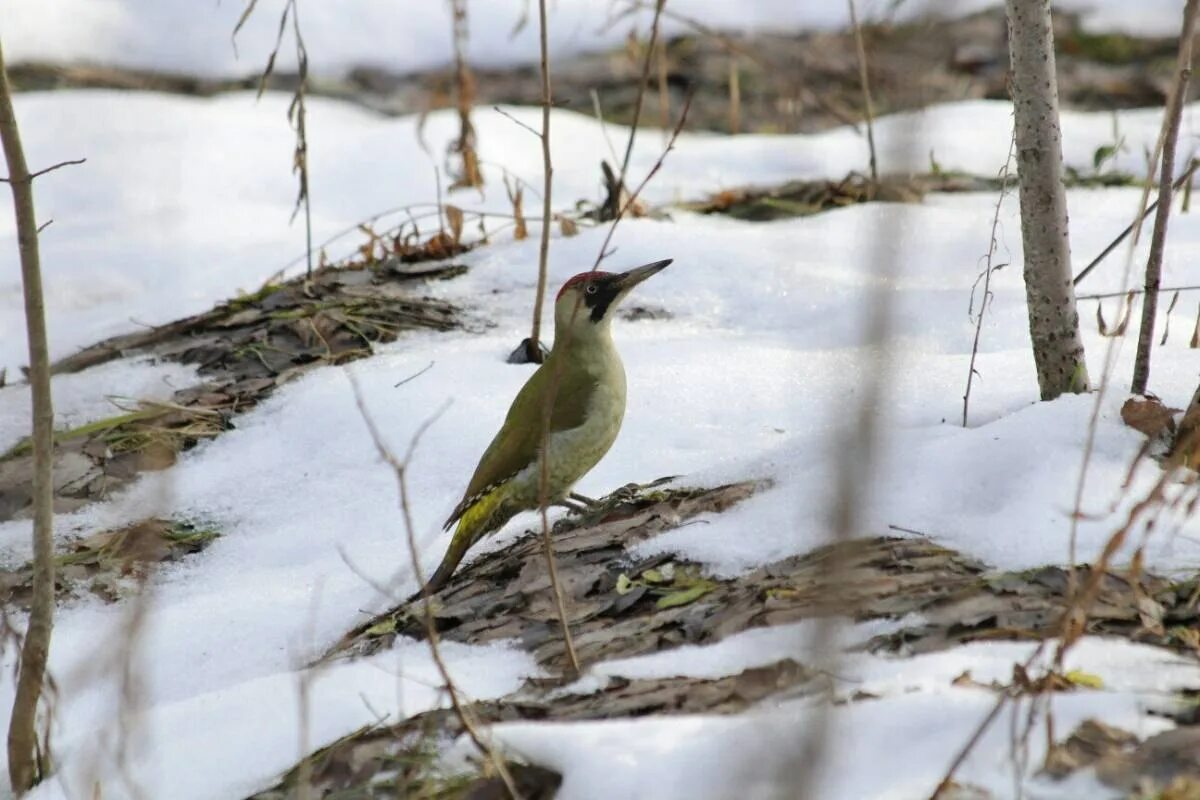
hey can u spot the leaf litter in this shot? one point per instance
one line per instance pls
(243, 350)
(621, 605)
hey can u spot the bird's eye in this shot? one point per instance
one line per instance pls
(591, 289)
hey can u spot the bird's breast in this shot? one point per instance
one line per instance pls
(571, 453)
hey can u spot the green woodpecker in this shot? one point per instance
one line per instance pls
(584, 379)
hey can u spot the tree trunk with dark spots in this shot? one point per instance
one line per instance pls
(1049, 293)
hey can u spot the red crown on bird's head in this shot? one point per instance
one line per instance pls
(582, 277)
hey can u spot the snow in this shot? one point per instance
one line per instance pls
(187, 36)
(896, 742)
(131, 246)
(183, 202)
(171, 750)
(894, 748)
(996, 490)
(80, 398)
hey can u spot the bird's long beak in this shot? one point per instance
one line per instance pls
(627, 280)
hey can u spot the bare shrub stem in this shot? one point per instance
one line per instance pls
(643, 79)
(1174, 111)
(633, 196)
(534, 350)
(400, 468)
(864, 81)
(548, 408)
(23, 767)
(987, 275)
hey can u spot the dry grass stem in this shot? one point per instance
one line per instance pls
(664, 96)
(977, 734)
(297, 112)
(464, 87)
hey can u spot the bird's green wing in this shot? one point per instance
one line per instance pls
(515, 446)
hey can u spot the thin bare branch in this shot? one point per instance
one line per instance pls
(612, 152)
(513, 119)
(735, 96)
(988, 269)
(1182, 181)
(414, 376)
(23, 764)
(533, 350)
(50, 168)
(659, 5)
(1136, 292)
(864, 82)
(604, 251)
(981, 728)
(1172, 116)
(400, 469)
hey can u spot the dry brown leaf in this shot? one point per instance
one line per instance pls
(1149, 416)
(1185, 450)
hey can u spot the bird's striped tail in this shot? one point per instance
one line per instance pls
(478, 519)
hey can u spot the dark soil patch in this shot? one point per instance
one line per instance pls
(787, 83)
(399, 762)
(1165, 766)
(244, 349)
(107, 563)
(805, 198)
(621, 607)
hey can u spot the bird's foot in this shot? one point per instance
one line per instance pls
(574, 507)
